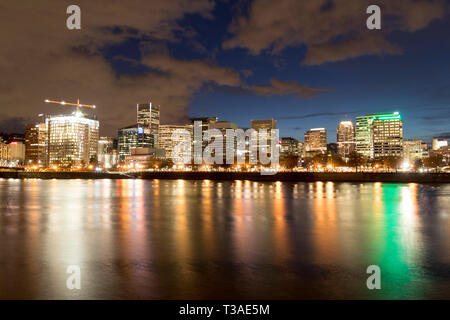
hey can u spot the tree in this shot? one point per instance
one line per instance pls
(393, 162)
(434, 161)
(289, 162)
(356, 160)
(335, 160)
(320, 159)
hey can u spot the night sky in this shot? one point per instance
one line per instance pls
(305, 63)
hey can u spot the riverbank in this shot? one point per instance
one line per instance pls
(400, 177)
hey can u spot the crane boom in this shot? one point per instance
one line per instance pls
(78, 104)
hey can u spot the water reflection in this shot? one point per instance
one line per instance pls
(226, 239)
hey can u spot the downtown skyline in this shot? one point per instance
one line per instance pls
(197, 61)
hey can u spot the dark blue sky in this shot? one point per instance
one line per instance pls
(415, 83)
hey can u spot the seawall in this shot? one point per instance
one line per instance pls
(253, 176)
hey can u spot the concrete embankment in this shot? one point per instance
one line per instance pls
(253, 176)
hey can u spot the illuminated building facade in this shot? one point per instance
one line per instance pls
(222, 126)
(107, 152)
(379, 135)
(148, 118)
(387, 135)
(130, 138)
(36, 137)
(364, 144)
(412, 150)
(165, 140)
(265, 126)
(346, 138)
(72, 139)
(438, 143)
(197, 140)
(289, 147)
(316, 141)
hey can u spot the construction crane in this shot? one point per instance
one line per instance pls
(78, 104)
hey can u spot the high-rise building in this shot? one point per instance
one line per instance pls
(264, 127)
(107, 156)
(315, 141)
(166, 141)
(36, 137)
(439, 143)
(148, 116)
(198, 141)
(387, 135)
(3, 152)
(16, 152)
(412, 150)
(72, 139)
(132, 137)
(379, 135)
(364, 144)
(223, 126)
(346, 138)
(289, 147)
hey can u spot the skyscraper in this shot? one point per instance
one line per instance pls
(72, 139)
(197, 141)
(379, 135)
(107, 152)
(132, 137)
(36, 137)
(165, 139)
(315, 141)
(346, 138)
(364, 144)
(265, 127)
(438, 143)
(387, 135)
(289, 147)
(148, 116)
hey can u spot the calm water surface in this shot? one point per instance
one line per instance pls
(175, 239)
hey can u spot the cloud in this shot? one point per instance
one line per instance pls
(332, 30)
(314, 115)
(351, 48)
(43, 59)
(444, 135)
(278, 87)
(13, 124)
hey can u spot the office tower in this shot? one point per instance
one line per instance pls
(301, 148)
(364, 144)
(16, 152)
(439, 143)
(197, 140)
(265, 126)
(289, 147)
(107, 156)
(36, 137)
(132, 137)
(387, 135)
(166, 141)
(3, 151)
(205, 122)
(72, 139)
(223, 126)
(316, 141)
(412, 150)
(379, 135)
(148, 116)
(346, 138)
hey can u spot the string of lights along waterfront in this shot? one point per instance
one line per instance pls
(71, 142)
